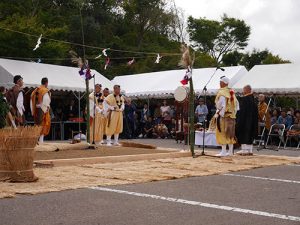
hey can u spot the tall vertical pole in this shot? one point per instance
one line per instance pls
(79, 116)
(86, 86)
(192, 118)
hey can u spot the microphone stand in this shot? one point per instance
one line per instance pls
(204, 91)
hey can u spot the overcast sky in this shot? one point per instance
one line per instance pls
(275, 24)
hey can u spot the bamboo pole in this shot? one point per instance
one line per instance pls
(86, 85)
(87, 112)
(192, 117)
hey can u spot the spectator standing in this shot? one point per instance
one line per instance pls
(130, 111)
(58, 113)
(201, 111)
(173, 111)
(157, 114)
(71, 110)
(144, 116)
(165, 111)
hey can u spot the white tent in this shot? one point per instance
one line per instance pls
(277, 78)
(60, 77)
(164, 83)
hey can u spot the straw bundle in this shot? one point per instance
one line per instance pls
(137, 145)
(212, 125)
(186, 59)
(25, 137)
(17, 153)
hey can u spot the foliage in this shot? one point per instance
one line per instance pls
(155, 26)
(218, 38)
(250, 59)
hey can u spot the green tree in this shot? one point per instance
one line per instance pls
(257, 57)
(218, 38)
(146, 16)
(274, 59)
(232, 58)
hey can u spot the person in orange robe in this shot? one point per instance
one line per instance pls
(40, 108)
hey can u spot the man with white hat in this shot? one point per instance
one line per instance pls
(227, 107)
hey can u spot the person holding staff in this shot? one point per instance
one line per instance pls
(227, 107)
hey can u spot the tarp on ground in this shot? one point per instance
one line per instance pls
(164, 83)
(272, 79)
(60, 77)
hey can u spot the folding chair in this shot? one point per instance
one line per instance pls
(294, 131)
(277, 130)
(261, 135)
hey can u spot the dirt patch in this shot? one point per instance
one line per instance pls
(99, 152)
(73, 177)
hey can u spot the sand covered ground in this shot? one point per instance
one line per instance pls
(74, 177)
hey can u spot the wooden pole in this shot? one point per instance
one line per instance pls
(86, 86)
(87, 111)
(192, 118)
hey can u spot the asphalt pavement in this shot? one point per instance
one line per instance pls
(264, 196)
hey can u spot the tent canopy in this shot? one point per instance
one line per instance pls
(274, 78)
(60, 77)
(164, 83)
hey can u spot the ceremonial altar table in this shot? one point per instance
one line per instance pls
(210, 138)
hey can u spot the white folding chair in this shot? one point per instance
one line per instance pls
(290, 134)
(276, 130)
(261, 135)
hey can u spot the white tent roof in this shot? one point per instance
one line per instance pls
(277, 78)
(60, 77)
(164, 83)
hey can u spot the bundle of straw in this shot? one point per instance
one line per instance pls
(212, 125)
(186, 59)
(22, 137)
(137, 145)
(17, 153)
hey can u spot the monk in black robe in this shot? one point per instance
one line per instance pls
(247, 121)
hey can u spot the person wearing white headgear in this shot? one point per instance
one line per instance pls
(227, 107)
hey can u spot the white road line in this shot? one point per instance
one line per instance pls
(294, 165)
(262, 178)
(201, 204)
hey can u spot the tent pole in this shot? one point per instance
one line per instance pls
(79, 97)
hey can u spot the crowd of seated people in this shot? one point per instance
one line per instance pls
(291, 120)
(288, 117)
(143, 121)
